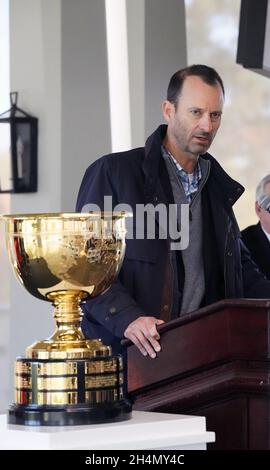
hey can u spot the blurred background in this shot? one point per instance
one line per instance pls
(94, 72)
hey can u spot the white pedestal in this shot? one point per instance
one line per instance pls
(145, 430)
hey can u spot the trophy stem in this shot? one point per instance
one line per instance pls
(68, 315)
(68, 340)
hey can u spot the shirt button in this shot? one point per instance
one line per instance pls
(165, 307)
(229, 253)
(112, 310)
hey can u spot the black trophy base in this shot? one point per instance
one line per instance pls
(69, 415)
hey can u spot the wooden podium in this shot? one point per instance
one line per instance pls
(214, 362)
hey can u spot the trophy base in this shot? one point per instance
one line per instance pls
(67, 392)
(69, 415)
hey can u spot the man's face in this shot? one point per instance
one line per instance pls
(263, 214)
(194, 122)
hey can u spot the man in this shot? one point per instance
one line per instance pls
(257, 237)
(156, 283)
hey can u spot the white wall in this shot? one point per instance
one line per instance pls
(85, 109)
(157, 49)
(4, 204)
(165, 53)
(136, 56)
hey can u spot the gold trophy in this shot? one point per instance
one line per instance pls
(66, 258)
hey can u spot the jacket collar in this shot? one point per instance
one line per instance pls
(152, 160)
(223, 185)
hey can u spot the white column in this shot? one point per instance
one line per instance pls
(117, 46)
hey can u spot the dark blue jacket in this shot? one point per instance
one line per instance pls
(145, 282)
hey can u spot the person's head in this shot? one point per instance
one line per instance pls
(193, 108)
(262, 205)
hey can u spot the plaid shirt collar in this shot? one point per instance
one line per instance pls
(190, 181)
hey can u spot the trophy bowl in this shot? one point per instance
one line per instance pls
(66, 259)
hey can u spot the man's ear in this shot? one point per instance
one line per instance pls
(258, 209)
(168, 110)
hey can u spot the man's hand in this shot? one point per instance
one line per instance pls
(143, 333)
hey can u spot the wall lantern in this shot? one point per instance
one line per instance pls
(18, 150)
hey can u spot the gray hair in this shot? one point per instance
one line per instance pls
(262, 197)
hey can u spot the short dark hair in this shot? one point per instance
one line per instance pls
(207, 74)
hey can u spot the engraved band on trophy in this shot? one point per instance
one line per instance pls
(65, 259)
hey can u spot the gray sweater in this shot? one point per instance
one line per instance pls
(194, 286)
